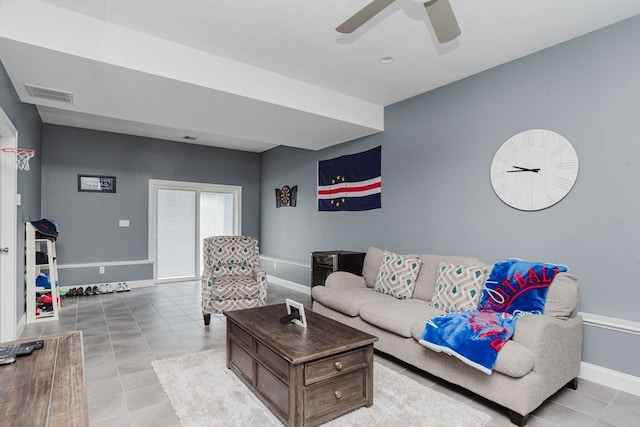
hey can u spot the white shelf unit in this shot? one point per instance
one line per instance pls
(32, 269)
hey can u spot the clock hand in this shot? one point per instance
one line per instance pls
(521, 169)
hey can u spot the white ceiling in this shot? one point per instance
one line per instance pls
(255, 74)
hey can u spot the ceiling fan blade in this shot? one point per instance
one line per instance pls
(362, 16)
(443, 20)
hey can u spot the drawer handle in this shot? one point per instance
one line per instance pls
(338, 394)
(338, 365)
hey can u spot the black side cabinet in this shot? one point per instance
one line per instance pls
(326, 262)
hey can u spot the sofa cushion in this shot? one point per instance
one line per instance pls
(346, 301)
(458, 287)
(344, 280)
(562, 298)
(371, 265)
(397, 275)
(397, 316)
(514, 359)
(426, 282)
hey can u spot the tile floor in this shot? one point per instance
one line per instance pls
(124, 332)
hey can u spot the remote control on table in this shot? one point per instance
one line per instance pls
(22, 349)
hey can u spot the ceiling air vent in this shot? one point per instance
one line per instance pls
(51, 94)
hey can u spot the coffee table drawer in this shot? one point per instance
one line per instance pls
(333, 398)
(334, 366)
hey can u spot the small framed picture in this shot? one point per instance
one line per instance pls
(97, 183)
(293, 305)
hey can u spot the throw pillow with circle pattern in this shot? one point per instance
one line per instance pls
(458, 287)
(397, 275)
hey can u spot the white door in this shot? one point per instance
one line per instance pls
(8, 242)
(181, 215)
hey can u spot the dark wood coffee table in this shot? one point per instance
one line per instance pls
(305, 376)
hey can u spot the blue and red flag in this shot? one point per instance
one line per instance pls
(351, 183)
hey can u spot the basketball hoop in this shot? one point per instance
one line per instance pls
(22, 156)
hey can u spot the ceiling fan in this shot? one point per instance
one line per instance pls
(439, 11)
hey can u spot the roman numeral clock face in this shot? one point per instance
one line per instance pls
(534, 169)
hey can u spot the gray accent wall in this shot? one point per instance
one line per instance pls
(27, 121)
(437, 197)
(89, 230)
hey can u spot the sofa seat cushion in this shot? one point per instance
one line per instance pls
(347, 301)
(396, 315)
(514, 359)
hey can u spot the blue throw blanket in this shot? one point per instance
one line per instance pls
(514, 288)
(472, 336)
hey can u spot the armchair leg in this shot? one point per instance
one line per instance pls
(517, 419)
(573, 384)
(207, 318)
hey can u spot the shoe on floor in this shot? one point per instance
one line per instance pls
(119, 287)
(125, 287)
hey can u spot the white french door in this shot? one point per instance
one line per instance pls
(182, 214)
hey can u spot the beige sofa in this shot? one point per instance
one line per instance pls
(542, 357)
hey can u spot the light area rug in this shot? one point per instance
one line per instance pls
(203, 392)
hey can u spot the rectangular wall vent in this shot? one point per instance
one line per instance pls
(51, 94)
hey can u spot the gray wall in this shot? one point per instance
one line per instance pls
(437, 197)
(89, 231)
(27, 121)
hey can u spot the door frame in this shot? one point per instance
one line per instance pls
(198, 187)
(8, 232)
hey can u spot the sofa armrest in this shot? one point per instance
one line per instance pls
(556, 345)
(344, 280)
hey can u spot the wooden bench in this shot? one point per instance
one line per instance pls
(46, 388)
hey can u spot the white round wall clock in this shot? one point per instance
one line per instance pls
(534, 169)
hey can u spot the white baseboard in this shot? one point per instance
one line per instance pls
(289, 284)
(132, 284)
(610, 378)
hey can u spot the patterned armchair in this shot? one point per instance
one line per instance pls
(232, 277)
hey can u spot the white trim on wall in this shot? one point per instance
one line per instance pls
(289, 284)
(612, 323)
(105, 264)
(610, 378)
(274, 259)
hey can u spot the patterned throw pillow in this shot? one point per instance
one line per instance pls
(397, 275)
(458, 287)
